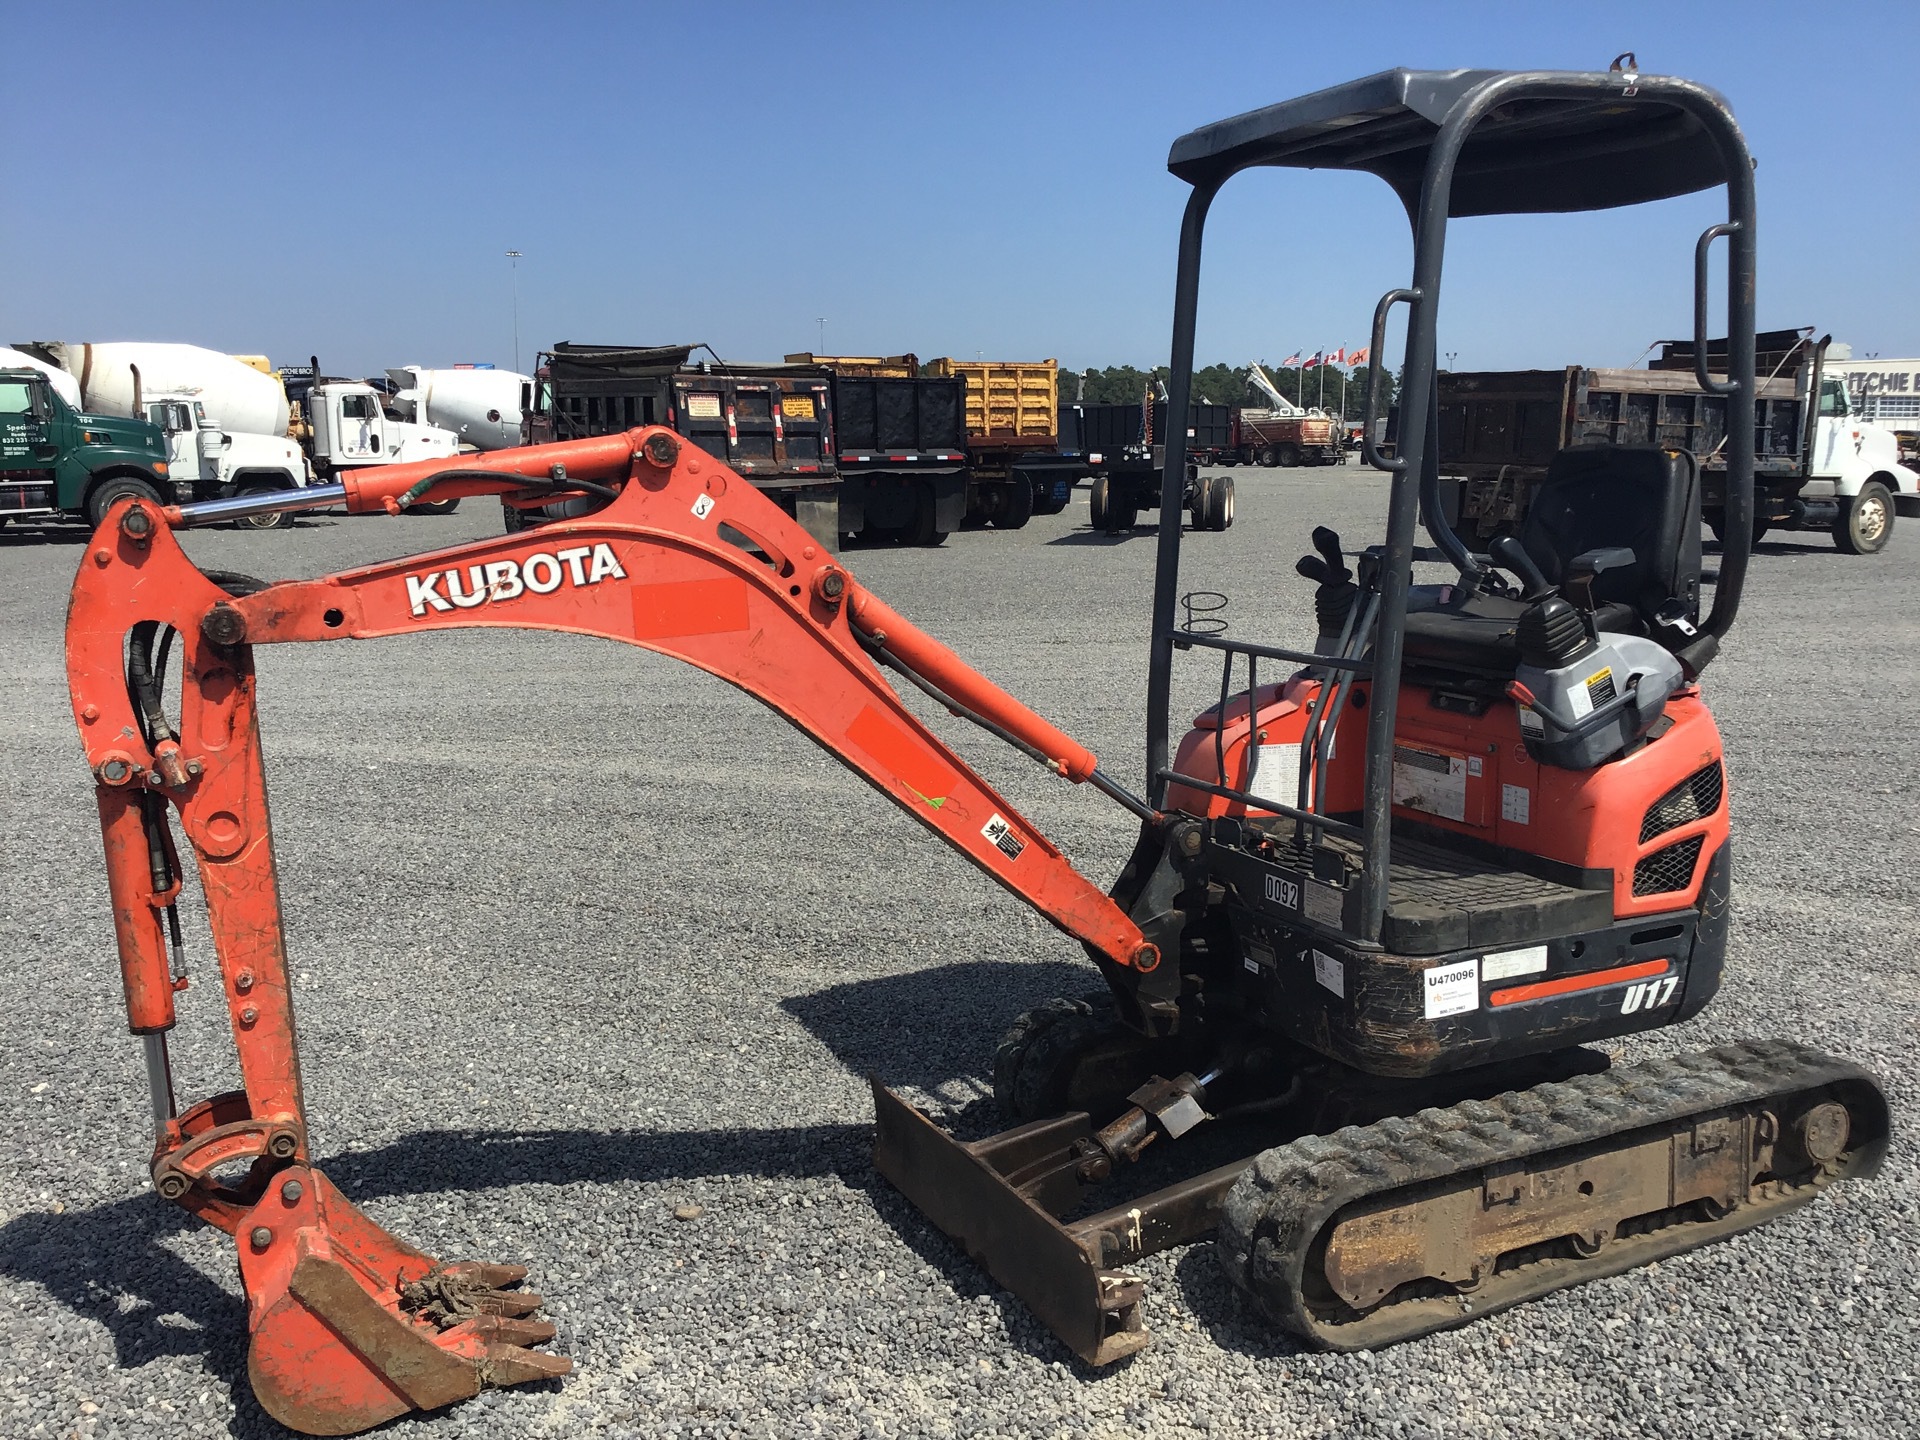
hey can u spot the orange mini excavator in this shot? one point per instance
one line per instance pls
(1381, 906)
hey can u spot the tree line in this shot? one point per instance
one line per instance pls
(1228, 385)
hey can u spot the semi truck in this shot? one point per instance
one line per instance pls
(1015, 466)
(1885, 393)
(345, 424)
(1818, 465)
(900, 441)
(772, 424)
(1124, 448)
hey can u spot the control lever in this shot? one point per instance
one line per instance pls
(1328, 544)
(1511, 554)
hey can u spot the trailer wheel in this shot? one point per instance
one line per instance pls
(1289, 456)
(1268, 455)
(120, 487)
(1866, 525)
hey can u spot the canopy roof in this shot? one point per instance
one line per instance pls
(1525, 157)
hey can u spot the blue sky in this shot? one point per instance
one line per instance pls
(947, 179)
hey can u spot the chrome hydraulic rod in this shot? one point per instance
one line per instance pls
(264, 502)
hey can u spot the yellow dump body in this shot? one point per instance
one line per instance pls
(1010, 403)
(873, 367)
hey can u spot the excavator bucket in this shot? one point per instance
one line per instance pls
(352, 1328)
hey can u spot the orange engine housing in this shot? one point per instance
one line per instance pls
(1472, 775)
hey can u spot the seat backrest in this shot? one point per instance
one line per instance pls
(1643, 497)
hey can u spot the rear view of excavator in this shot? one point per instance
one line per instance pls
(1386, 905)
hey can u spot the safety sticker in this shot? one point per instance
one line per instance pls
(1600, 687)
(1324, 904)
(702, 506)
(1277, 775)
(1330, 973)
(1452, 989)
(1432, 782)
(1474, 767)
(1257, 956)
(1531, 722)
(1516, 803)
(703, 407)
(1004, 840)
(1505, 964)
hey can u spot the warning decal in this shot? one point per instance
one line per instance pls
(1004, 840)
(1429, 781)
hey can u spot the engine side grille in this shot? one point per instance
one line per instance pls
(1668, 869)
(1694, 798)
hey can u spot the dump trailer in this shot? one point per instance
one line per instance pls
(1817, 466)
(900, 444)
(1124, 448)
(773, 424)
(1285, 437)
(1015, 467)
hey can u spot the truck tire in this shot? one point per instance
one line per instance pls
(1267, 455)
(1217, 503)
(1197, 506)
(1289, 456)
(1122, 512)
(433, 507)
(1097, 502)
(1866, 524)
(277, 520)
(119, 487)
(919, 530)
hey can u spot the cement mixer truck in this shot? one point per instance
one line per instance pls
(224, 424)
(478, 403)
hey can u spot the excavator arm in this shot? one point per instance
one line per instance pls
(350, 1326)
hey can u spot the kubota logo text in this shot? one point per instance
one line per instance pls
(540, 573)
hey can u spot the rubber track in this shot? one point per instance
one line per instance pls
(1277, 1210)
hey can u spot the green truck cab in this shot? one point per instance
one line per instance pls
(57, 462)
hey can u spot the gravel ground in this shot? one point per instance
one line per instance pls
(581, 935)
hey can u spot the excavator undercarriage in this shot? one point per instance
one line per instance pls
(1385, 918)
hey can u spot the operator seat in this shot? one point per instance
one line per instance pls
(1595, 499)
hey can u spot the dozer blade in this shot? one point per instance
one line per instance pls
(1384, 1232)
(352, 1328)
(999, 1199)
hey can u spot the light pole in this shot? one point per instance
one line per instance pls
(1451, 355)
(821, 321)
(513, 260)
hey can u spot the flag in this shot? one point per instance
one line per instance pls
(1339, 357)
(1359, 357)
(1313, 360)
(1291, 361)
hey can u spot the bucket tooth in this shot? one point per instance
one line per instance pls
(353, 1328)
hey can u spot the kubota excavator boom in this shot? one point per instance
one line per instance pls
(350, 1326)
